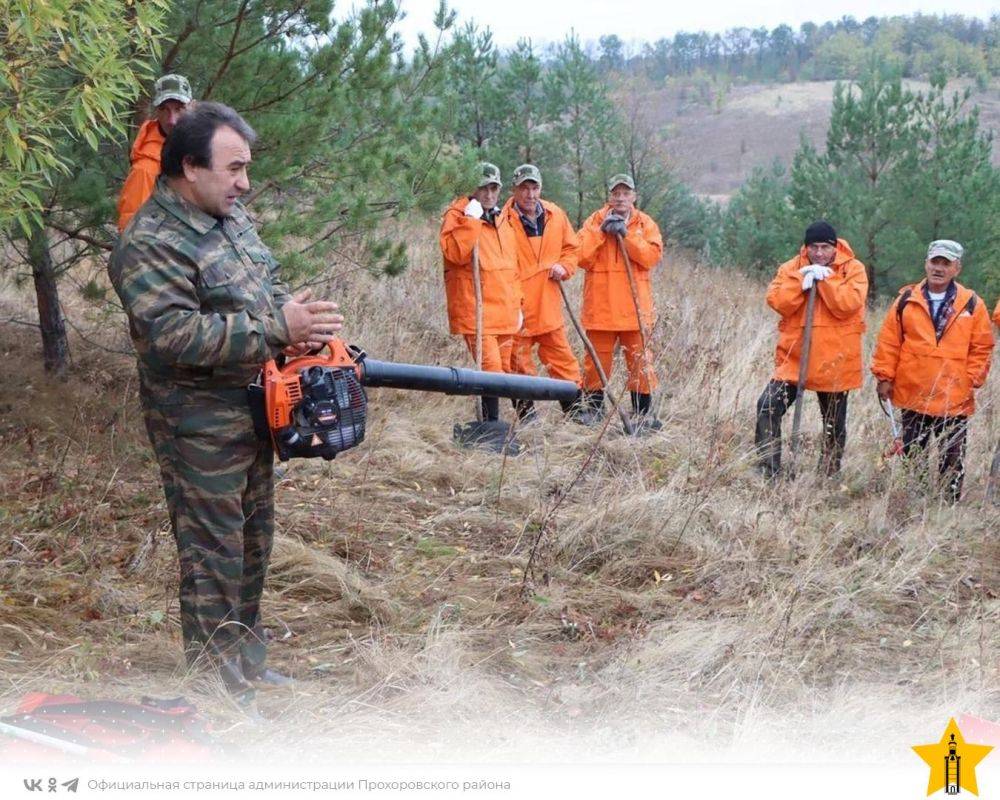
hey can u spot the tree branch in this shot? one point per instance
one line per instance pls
(83, 237)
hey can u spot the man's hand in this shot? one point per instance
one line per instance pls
(614, 225)
(812, 273)
(520, 320)
(474, 209)
(884, 390)
(558, 272)
(311, 322)
(302, 349)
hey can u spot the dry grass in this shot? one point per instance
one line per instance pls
(678, 598)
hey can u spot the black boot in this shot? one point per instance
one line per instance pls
(525, 410)
(642, 408)
(578, 409)
(595, 402)
(491, 409)
(490, 434)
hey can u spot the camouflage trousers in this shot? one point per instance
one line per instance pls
(218, 478)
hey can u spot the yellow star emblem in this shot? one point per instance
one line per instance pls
(952, 761)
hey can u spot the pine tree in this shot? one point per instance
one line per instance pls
(70, 70)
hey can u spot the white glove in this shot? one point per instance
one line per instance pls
(812, 273)
(474, 209)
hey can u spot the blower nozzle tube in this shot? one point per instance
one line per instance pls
(455, 380)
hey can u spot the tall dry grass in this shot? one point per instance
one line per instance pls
(679, 605)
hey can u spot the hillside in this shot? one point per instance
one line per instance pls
(715, 141)
(683, 609)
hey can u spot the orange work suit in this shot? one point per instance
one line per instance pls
(544, 326)
(930, 376)
(996, 313)
(501, 288)
(145, 169)
(838, 322)
(609, 315)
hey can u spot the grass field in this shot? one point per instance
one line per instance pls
(681, 607)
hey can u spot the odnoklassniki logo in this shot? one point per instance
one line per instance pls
(952, 761)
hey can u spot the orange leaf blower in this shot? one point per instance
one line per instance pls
(316, 406)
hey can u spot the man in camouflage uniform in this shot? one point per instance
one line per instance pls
(206, 308)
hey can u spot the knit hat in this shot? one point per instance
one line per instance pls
(821, 232)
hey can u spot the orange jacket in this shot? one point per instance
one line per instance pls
(838, 322)
(607, 296)
(558, 244)
(142, 177)
(497, 269)
(996, 313)
(934, 377)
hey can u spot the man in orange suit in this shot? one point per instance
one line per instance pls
(835, 354)
(473, 225)
(933, 352)
(547, 253)
(609, 309)
(171, 97)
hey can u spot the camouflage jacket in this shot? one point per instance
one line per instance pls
(203, 296)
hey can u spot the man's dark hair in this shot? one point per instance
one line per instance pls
(191, 137)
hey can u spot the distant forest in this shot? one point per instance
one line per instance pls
(917, 46)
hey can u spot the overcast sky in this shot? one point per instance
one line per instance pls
(646, 21)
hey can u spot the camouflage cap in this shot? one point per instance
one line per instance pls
(171, 87)
(946, 248)
(527, 172)
(488, 173)
(619, 179)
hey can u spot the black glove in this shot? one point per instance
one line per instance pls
(614, 225)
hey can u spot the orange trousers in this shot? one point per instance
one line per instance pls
(553, 351)
(641, 377)
(496, 351)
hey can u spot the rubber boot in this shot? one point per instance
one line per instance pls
(578, 409)
(491, 409)
(642, 409)
(595, 402)
(491, 434)
(525, 410)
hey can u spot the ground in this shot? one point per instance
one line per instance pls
(678, 605)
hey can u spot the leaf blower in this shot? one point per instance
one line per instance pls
(315, 406)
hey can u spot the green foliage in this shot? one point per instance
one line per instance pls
(899, 170)
(584, 128)
(918, 46)
(70, 68)
(687, 220)
(520, 84)
(348, 125)
(839, 57)
(759, 226)
(477, 104)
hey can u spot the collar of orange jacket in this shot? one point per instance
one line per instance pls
(962, 295)
(149, 141)
(511, 208)
(843, 255)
